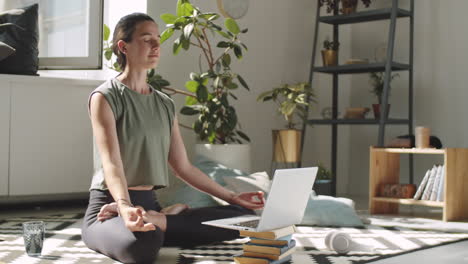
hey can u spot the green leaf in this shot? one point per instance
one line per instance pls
(224, 34)
(186, 110)
(202, 93)
(243, 136)
(185, 43)
(232, 26)
(226, 60)
(238, 51)
(232, 86)
(168, 18)
(245, 47)
(108, 54)
(223, 44)
(262, 95)
(216, 26)
(245, 30)
(233, 96)
(106, 33)
(192, 86)
(197, 126)
(184, 8)
(188, 29)
(194, 76)
(242, 81)
(209, 16)
(116, 66)
(267, 98)
(176, 47)
(166, 34)
(217, 82)
(190, 100)
(187, 9)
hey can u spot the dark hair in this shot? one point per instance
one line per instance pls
(124, 31)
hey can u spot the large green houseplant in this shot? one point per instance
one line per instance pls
(292, 105)
(214, 83)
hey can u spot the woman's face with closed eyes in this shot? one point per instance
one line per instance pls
(143, 50)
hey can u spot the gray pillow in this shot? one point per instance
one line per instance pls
(330, 211)
(20, 30)
(5, 50)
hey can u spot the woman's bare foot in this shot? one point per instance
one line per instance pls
(174, 209)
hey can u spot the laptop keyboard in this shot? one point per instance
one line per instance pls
(251, 223)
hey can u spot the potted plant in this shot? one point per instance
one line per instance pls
(330, 52)
(292, 103)
(377, 80)
(214, 83)
(347, 6)
(323, 181)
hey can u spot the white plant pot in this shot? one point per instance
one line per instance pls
(235, 156)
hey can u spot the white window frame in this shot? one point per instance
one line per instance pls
(94, 58)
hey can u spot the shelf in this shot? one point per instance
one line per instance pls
(361, 68)
(365, 16)
(356, 121)
(411, 150)
(408, 201)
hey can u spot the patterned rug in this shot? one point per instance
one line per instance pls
(63, 244)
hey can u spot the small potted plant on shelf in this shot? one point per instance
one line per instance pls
(330, 52)
(323, 181)
(292, 104)
(377, 80)
(347, 6)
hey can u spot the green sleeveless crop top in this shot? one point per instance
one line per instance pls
(144, 125)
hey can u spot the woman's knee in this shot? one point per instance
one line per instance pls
(143, 249)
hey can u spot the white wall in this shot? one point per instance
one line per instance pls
(280, 47)
(440, 63)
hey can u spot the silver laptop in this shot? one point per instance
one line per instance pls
(285, 204)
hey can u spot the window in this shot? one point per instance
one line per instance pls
(70, 33)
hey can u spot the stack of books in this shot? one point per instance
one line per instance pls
(432, 185)
(268, 247)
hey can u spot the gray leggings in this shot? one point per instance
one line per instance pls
(114, 240)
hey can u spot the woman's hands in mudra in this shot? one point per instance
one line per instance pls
(249, 200)
(137, 218)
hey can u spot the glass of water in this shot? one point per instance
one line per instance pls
(33, 234)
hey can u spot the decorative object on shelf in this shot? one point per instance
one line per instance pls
(356, 112)
(234, 9)
(397, 190)
(377, 80)
(323, 181)
(422, 135)
(347, 6)
(217, 120)
(357, 61)
(327, 112)
(291, 100)
(330, 52)
(407, 141)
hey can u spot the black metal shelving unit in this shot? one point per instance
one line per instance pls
(391, 14)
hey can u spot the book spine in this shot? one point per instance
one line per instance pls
(435, 188)
(422, 185)
(440, 192)
(430, 184)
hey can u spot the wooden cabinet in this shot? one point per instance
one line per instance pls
(50, 139)
(385, 168)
